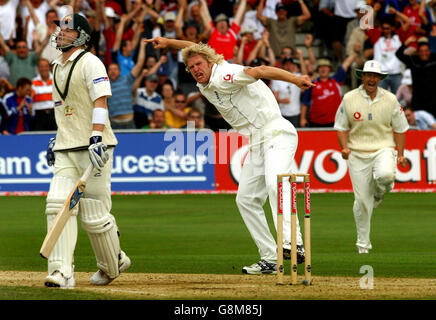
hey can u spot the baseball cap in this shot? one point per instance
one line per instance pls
(280, 6)
(110, 13)
(170, 16)
(221, 17)
(152, 77)
(163, 70)
(246, 29)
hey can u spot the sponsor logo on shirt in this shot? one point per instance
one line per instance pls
(357, 116)
(58, 103)
(229, 77)
(101, 79)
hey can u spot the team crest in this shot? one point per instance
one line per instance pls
(68, 111)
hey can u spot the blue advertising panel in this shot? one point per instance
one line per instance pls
(151, 161)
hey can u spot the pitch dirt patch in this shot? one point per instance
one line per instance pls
(211, 286)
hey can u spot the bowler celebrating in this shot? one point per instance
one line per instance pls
(250, 107)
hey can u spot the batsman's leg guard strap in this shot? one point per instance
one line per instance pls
(62, 256)
(103, 235)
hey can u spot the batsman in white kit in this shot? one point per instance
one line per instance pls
(80, 89)
(250, 107)
(370, 124)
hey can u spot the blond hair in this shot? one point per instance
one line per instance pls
(203, 50)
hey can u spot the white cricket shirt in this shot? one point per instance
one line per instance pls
(247, 104)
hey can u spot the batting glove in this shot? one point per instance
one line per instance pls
(98, 152)
(50, 156)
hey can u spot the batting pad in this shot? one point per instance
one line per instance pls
(62, 256)
(103, 235)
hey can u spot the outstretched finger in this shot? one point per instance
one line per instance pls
(149, 40)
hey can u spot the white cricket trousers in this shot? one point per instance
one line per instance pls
(257, 182)
(68, 168)
(371, 175)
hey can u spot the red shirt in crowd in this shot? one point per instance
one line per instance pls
(324, 99)
(224, 43)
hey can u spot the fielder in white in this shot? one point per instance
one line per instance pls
(250, 107)
(80, 89)
(370, 124)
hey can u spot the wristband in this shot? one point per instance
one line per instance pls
(95, 139)
(99, 116)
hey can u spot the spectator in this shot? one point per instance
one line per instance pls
(146, 101)
(190, 31)
(262, 51)
(195, 119)
(282, 31)
(157, 120)
(124, 50)
(246, 45)
(288, 94)
(22, 63)
(420, 18)
(222, 37)
(344, 13)
(404, 92)
(43, 31)
(319, 104)
(111, 22)
(193, 15)
(423, 69)
(42, 98)
(175, 113)
(8, 13)
(40, 8)
(120, 103)
(384, 52)
(168, 29)
(355, 43)
(401, 27)
(420, 119)
(19, 108)
(250, 18)
(286, 52)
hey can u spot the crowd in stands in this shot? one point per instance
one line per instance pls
(324, 39)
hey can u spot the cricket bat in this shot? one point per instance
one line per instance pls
(64, 214)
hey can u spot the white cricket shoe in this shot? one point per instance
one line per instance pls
(57, 280)
(362, 250)
(261, 267)
(100, 278)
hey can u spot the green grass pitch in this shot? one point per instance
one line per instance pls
(205, 234)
